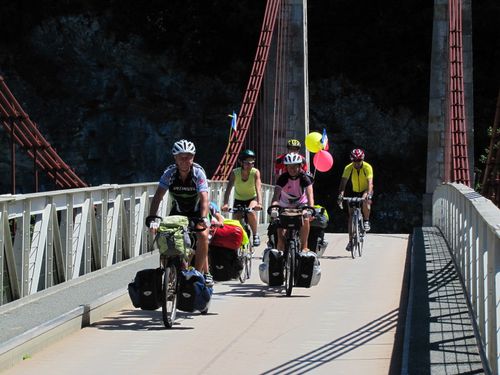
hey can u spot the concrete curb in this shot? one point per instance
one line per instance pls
(35, 339)
(409, 314)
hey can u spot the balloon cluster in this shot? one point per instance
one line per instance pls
(318, 144)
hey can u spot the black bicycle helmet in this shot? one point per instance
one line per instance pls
(246, 154)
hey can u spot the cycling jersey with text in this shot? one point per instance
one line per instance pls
(185, 193)
(293, 190)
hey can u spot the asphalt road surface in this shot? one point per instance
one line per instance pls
(345, 325)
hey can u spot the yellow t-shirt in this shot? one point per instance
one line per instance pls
(244, 190)
(359, 177)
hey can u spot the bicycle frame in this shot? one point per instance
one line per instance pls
(357, 228)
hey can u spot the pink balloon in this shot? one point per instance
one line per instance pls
(323, 160)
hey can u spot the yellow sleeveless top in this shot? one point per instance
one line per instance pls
(244, 190)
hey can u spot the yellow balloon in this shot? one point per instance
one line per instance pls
(313, 142)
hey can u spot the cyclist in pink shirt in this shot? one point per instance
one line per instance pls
(294, 189)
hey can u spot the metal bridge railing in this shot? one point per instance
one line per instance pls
(470, 224)
(48, 238)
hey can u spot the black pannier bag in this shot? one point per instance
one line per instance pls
(316, 234)
(145, 290)
(193, 294)
(272, 234)
(308, 271)
(224, 263)
(276, 264)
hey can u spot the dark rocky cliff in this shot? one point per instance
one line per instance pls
(113, 83)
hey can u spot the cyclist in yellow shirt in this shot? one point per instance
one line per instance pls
(361, 175)
(247, 190)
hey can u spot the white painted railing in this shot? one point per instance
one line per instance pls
(471, 225)
(48, 238)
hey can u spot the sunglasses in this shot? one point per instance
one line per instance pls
(248, 162)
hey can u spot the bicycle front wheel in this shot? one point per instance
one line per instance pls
(355, 235)
(360, 235)
(290, 267)
(169, 300)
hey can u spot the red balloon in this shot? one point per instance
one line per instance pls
(323, 160)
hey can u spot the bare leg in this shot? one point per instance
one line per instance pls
(304, 234)
(201, 261)
(366, 210)
(252, 221)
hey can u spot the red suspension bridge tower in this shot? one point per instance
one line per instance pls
(24, 133)
(450, 148)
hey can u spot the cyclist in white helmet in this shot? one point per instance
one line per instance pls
(293, 189)
(292, 147)
(187, 183)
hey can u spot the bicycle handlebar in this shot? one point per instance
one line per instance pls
(353, 201)
(241, 209)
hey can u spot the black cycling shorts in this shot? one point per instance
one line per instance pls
(246, 203)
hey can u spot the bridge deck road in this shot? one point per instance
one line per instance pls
(346, 324)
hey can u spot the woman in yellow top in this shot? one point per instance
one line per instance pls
(247, 190)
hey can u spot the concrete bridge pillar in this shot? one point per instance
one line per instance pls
(298, 81)
(286, 85)
(437, 99)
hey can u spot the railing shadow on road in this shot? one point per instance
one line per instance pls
(338, 347)
(441, 335)
(142, 320)
(258, 290)
(333, 257)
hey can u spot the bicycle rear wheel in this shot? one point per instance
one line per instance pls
(290, 267)
(169, 298)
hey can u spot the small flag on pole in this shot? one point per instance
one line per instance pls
(324, 140)
(234, 119)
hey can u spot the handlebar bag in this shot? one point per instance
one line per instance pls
(291, 220)
(173, 236)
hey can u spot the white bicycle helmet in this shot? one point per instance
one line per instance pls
(183, 146)
(292, 159)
